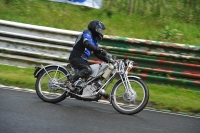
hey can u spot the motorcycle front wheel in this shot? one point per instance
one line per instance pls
(130, 101)
(48, 84)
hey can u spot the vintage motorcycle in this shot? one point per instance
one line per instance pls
(128, 95)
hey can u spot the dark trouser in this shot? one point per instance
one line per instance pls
(84, 70)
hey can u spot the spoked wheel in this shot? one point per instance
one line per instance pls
(130, 101)
(49, 83)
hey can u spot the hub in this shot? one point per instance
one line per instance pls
(129, 96)
(52, 84)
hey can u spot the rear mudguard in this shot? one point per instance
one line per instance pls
(38, 70)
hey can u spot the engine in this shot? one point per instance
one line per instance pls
(98, 84)
(89, 89)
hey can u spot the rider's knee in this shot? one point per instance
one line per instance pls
(88, 71)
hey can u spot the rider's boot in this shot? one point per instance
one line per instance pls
(74, 84)
(70, 82)
(69, 85)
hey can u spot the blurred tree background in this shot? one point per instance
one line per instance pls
(183, 10)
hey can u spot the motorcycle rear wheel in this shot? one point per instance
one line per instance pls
(47, 84)
(127, 102)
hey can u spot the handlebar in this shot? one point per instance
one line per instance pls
(113, 59)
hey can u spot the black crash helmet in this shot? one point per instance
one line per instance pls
(97, 27)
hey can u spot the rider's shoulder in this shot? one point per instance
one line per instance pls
(87, 33)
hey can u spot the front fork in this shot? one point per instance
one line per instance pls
(127, 85)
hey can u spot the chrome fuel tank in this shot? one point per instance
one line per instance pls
(97, 68)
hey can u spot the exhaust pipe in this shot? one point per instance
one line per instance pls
(104, 94)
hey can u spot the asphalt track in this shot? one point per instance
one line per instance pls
(24, 112)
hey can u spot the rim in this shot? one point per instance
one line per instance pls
(127, 101)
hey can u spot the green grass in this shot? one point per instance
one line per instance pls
(14, 76)
(71, 17)
(161, 97)
(175, 98)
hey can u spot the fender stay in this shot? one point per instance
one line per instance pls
(39, 69)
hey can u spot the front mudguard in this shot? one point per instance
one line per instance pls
(38, 70)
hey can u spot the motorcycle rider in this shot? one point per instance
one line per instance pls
(86, 43)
